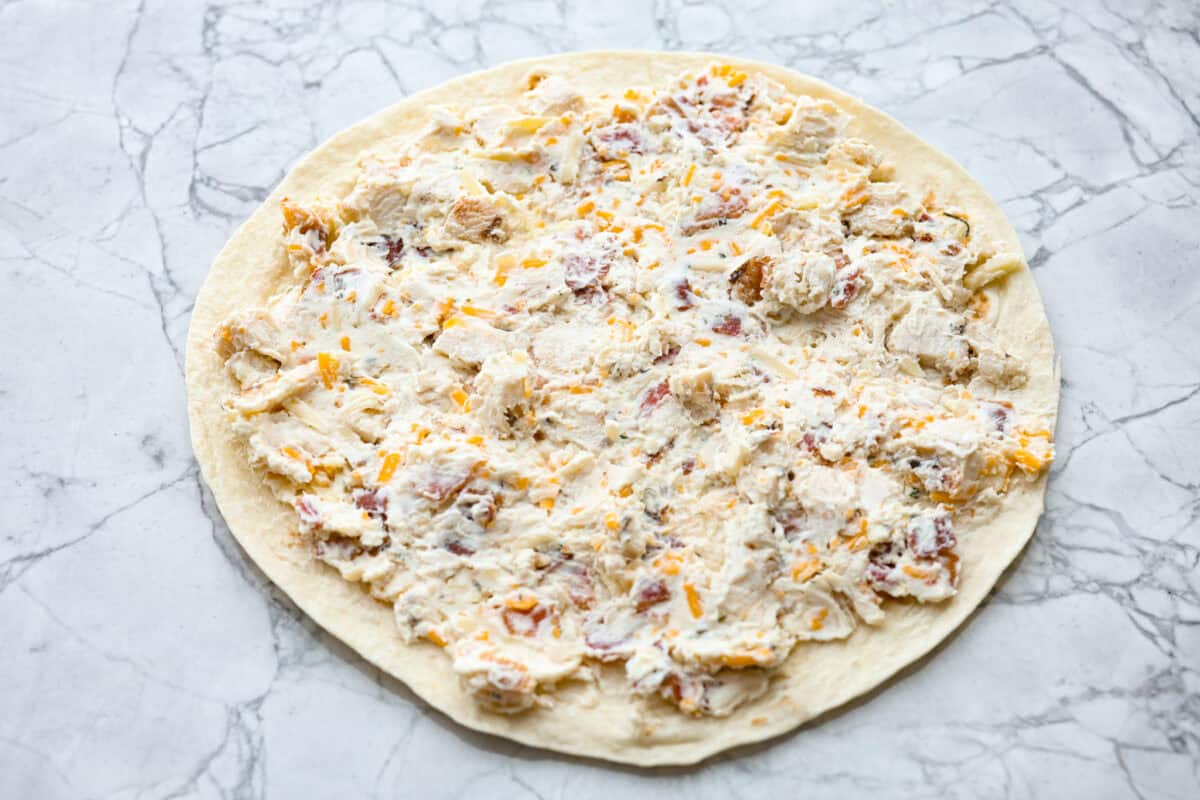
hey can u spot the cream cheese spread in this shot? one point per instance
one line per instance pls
(673, 377)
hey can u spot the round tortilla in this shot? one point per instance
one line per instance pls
(601, 721)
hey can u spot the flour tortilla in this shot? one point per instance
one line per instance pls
(599, 721)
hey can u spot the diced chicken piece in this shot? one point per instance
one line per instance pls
(274, 391)
(999, 368)
(504, 382)
(445, 125)
(694, 388)
(813, 229)
(814, 612)
(362, 408)
(655, 340)
(535, 289)
(266, 451)
(493, 126)
(255, 330)
(353, 560)
(308, 233)
(800, 280)
(562, 347)
(746, 282)
(934, 336)
(470, 340)
(550, 94)
(381, 194)
(813, 126)
(249, 367)
(476, 220)
(854, 156)
(713, 695)
(497, 683)
(828, 494)
(888, 211)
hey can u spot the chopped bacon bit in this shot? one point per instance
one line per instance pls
(654, 458)
(688, 465)
(927, 539)
(459, 549)
(1000, 414)
(845, 287)
(683, 295)
(668, 356)
(651, 594)
(727, 324)
(714, 209)
(655, 396)
(307, 511)
(579, 582)
(343, 548)
(392, 249)
(608, 643)
(443, 485)
(881, 564)
(479, 507)
(618, 141)
(822, 392)
(714, 117)
(581, 270)
(373, 501)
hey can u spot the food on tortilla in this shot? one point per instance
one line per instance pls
(645, 392)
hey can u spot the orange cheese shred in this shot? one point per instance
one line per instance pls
(693, 600)
(388, 469)
(328, 367)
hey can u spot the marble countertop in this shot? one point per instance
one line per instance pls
(145, 657)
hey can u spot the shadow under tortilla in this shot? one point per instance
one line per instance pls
(501, 746)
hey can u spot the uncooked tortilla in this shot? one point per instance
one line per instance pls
(600, 721)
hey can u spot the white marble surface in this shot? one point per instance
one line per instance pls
(144, 657)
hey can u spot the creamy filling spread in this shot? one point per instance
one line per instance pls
(674, 378)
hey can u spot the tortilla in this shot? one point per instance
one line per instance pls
(586, 721)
